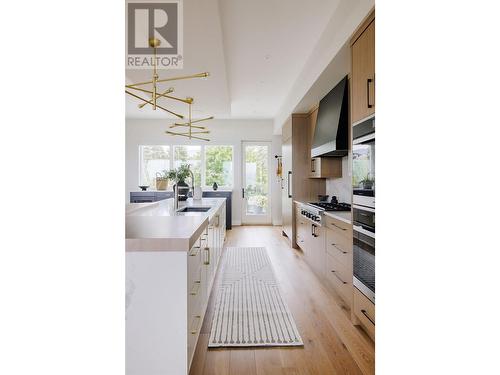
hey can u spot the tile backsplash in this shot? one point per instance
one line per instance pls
(341, 187)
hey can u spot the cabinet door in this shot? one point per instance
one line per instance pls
(286, 202)
(363, 75)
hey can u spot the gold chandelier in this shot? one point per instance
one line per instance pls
(156, 94)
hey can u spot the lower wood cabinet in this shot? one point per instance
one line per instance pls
(364, 312)
(328, 251)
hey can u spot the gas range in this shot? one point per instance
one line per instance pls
(331, 206)
(313, 211)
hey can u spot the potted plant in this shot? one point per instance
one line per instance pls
(261, 201)
(367, 182)
(179, 175)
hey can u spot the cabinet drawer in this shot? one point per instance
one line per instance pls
(194, 262)
(364, 309)
(194, 326)
(339, 226)
(339, 245)
(339, 277)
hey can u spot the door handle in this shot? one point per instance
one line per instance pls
(313, 165)
(368, 81)
(288, 184)
(243, 192)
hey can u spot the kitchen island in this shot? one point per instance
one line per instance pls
(171, 260)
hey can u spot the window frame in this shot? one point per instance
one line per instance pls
(203, 180)
(171, 148)
(141, 159)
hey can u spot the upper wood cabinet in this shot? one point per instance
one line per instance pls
(325, 168)
(363, 70)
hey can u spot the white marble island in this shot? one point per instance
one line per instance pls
(171, 260)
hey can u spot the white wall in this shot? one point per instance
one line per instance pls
(341, 187)
(224, 132)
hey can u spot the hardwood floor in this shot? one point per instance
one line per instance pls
(332, 345)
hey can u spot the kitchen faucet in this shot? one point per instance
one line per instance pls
(192, 180)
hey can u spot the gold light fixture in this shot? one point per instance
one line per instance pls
(156, 94)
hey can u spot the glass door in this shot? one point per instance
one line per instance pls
(256, 191)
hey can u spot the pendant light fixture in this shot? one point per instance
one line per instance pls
(155, 93)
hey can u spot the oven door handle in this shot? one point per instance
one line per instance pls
(360, 229)
(364, 138)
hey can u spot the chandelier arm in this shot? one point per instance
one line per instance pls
(187, 136)
(198, 75)
(186, 126)
(147, 102)
(157, 95)
(194, 121)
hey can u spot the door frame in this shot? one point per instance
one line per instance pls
(256, 219)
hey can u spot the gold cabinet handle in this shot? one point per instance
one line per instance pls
(195, 328)
(196, 288)
(207, 262)
(196, 250)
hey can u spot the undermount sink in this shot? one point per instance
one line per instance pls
(194, 209)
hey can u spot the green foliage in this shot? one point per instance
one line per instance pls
(180, 174)
(218, 165)
(189, 154)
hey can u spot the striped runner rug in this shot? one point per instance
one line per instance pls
(249, 309)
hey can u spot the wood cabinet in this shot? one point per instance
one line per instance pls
(364, 311)
(296, 151)
(339, 257)
(363, 70)
(328, 251)
(325, 168)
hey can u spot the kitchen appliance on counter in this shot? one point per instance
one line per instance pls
(363, 162)
(313, 211)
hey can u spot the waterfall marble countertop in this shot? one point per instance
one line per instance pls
(158, 226)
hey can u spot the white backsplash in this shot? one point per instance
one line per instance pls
(341, 187)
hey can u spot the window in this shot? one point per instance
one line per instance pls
(219, 165)
(189, 155)
(152, 159)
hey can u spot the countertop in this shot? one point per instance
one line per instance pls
(344, 216)
(158, 226)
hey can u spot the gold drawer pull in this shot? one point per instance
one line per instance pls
(207, 262)
(194, 329)
(367, 317)
(335, 225)
(196, 288)
(195, 252)
(337, 276)
(339, 249)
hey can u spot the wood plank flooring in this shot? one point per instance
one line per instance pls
(332, 345)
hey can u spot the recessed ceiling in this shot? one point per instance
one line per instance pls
(256, 52)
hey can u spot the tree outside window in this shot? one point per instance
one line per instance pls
(189, 154)
(219, 165)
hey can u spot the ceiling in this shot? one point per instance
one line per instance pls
(263, 55)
